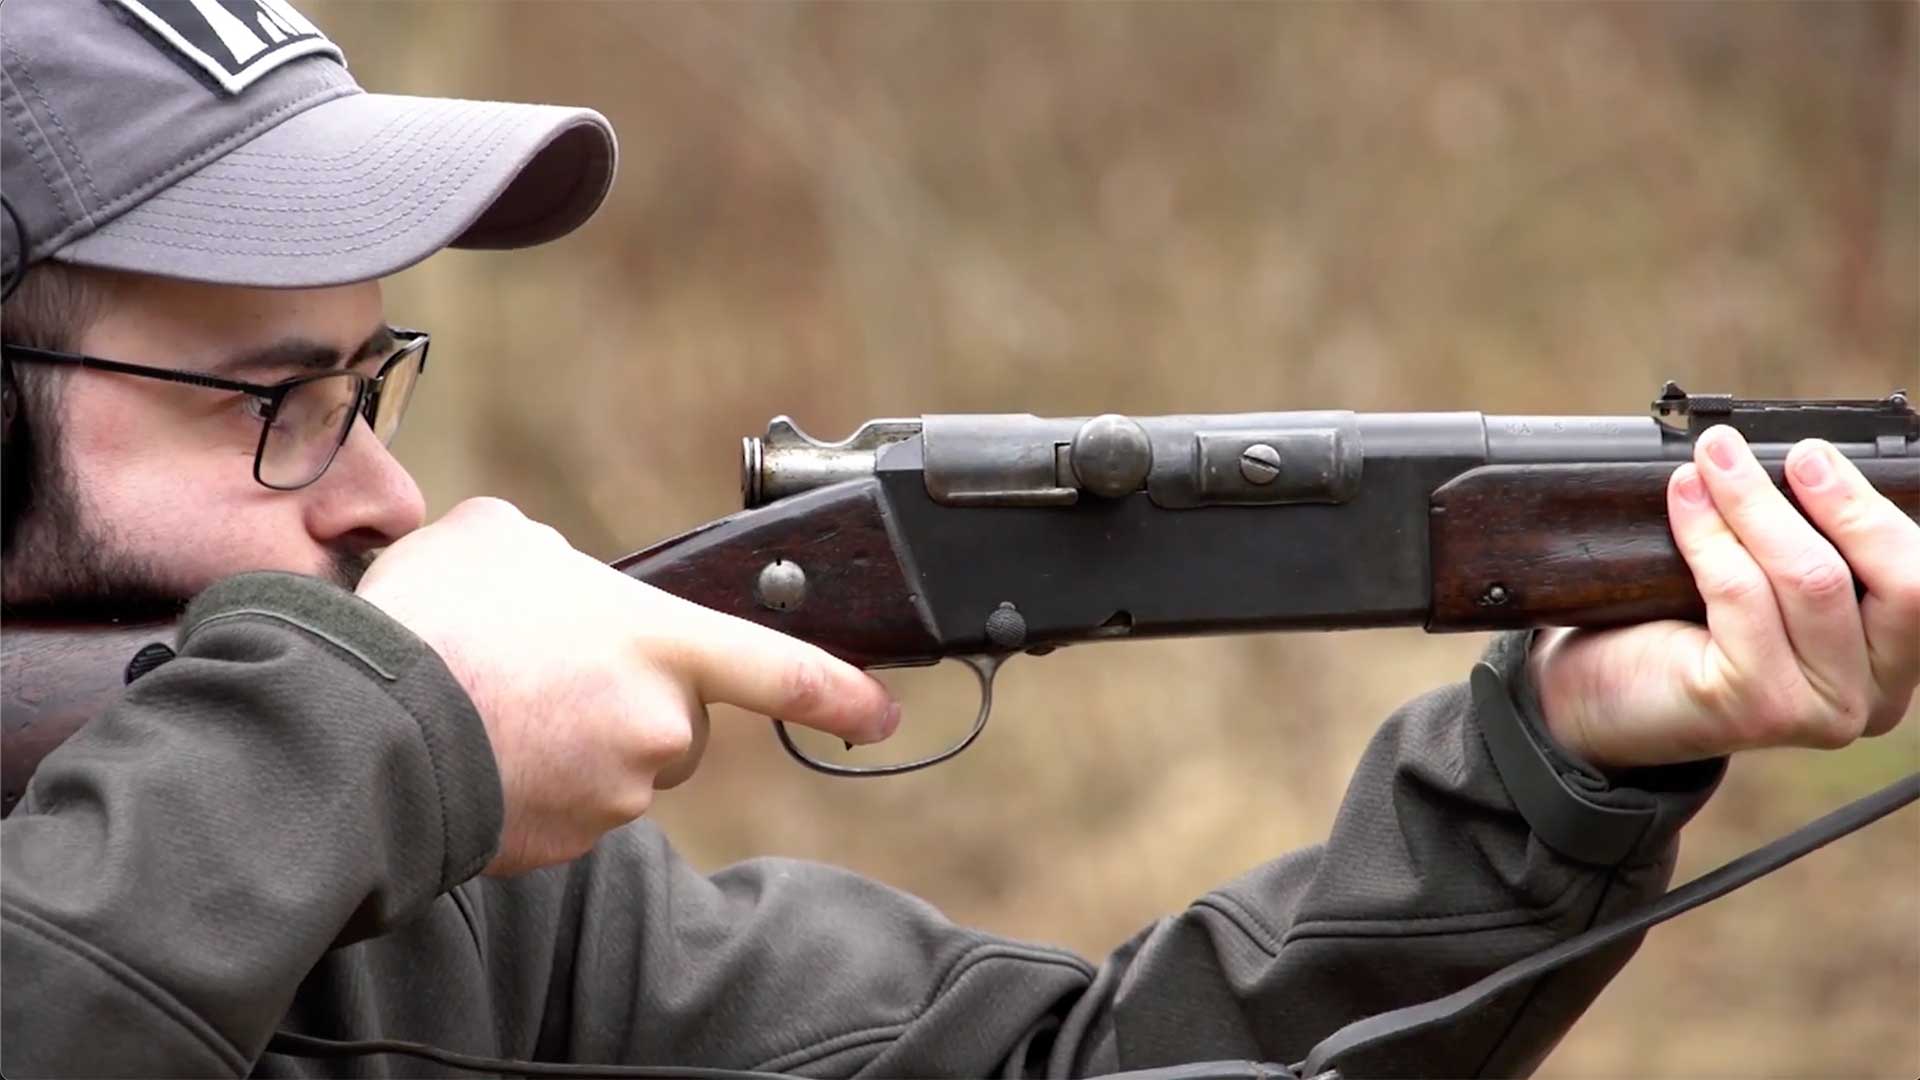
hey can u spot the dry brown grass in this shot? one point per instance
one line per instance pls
(848, 211)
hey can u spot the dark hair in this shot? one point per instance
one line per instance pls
(52, 307)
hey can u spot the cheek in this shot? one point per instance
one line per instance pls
(192, 512)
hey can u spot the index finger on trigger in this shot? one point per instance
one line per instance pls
(741, 663)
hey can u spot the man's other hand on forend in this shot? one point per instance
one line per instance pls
(1788, 657)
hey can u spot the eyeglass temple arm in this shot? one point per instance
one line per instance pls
(118, 367)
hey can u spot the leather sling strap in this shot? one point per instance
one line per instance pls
(1374, 1030)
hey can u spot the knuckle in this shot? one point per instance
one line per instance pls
(1848, 717)
(1737, 585)
(670, 742)
(653, 738)
(1821, 578)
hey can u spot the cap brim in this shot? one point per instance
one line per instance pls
(365, 185)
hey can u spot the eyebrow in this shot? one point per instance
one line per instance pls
(301, 354)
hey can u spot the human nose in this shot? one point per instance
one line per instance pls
(366, 499)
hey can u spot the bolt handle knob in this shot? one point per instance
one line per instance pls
(1112, 455)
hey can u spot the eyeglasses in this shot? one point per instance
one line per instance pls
(304, 420)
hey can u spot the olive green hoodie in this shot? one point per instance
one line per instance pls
(281, 828)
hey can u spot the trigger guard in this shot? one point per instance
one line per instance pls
(984, 667)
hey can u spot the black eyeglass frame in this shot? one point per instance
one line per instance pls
(367, 401)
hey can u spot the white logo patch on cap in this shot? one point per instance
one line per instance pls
(235, 41)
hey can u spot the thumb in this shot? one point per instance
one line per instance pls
(1616, 698)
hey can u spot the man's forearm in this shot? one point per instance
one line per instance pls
(1432, 877)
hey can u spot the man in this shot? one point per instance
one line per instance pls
(389, 787)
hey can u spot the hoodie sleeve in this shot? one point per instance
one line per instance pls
(305, 773)
(1466, 840)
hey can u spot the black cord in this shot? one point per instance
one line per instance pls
(1757, 863)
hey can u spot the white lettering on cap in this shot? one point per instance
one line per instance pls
(235, 41)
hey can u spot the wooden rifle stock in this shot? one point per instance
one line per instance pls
(855, 600)
(54, 677)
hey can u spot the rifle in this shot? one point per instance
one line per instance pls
(976, 537)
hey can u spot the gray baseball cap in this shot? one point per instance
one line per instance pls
(224, 141)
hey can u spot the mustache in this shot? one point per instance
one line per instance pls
(345, 569)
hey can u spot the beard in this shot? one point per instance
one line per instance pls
(63, 566)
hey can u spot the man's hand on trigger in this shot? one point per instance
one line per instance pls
(593, 686)
(1788, 657)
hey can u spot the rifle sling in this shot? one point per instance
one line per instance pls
(1755, 864)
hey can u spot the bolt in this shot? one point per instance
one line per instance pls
(1111, 455)
(1495, 596)
(1259, 463)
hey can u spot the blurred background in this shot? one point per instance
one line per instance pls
(843, 211)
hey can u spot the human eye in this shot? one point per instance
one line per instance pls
(254, 407)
